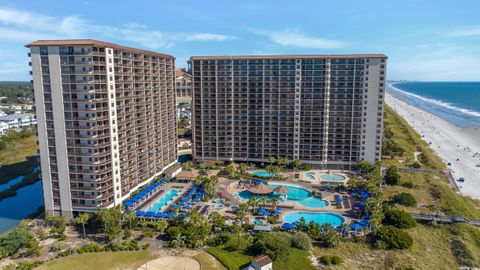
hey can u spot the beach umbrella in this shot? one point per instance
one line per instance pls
(339, 199)
(355, 227)
(287, 226)
(281, 189)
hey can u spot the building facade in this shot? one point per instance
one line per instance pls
(16, 122)
(106, 121)
(325, 110)
(183, 83)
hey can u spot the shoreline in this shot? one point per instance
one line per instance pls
(456, 145)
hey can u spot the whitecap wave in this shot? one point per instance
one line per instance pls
(438, 102)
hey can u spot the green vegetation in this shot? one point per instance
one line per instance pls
(207, 262)
(234, 256)
(331, 259)
(392, 177)
(100, 261)
(405, 199)
(399, 219)
(16, 92)
(389, 237)
(16, 239)
(398, 132)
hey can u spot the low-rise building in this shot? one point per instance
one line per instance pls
(262, 262)
(16, 121)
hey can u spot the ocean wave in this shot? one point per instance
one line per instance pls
(438, 102)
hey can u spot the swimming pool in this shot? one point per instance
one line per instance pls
(321, 218)
(294, 193)
(164, 200)
(263, 174)
(332, 177)
(311, 175)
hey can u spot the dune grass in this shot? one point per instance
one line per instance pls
(18, 158)
(100, 261)
(406, 137)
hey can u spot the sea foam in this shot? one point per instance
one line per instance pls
(437, 102)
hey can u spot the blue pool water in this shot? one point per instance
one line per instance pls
(314, 202)
(263, 174)
(321, 218)
(164, 200)
(11, 183)
(311, 175)
(332, 177)
(297, 194)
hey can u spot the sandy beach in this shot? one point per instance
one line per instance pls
(459, 146)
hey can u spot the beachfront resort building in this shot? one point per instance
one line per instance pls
(106, 121)
(325, 110)
(183, 83)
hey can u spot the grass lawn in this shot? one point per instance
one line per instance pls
(234, 258)
(18, 158)
(100, 261)
(208, 262)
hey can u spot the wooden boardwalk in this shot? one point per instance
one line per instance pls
(445, 219)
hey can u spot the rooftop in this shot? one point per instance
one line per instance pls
(262, 260)
(253, 57)
(15, 116)
(93, 42)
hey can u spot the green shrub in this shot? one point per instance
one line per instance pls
(415, 165)
(399, 219)
(461, 253)
(331, 259)
(172, 232)
(218, 239)
(274, 245)
(13, 241)
(301, 240)
(392, 177)
(148, 233)
(405, 199)
(389, 237)
(408, 184)
(127, 234)
(27, 265)
(146, 246)
(435, 191)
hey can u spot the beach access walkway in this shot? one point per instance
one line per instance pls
(445, 219)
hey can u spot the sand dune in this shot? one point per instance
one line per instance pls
(459, 146)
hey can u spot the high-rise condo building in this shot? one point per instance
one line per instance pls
(325, 110)
(106, 121)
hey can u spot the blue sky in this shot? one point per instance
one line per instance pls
(425, 40)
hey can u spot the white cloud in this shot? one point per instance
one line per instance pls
(469, 31)
(293, 38)
(19, 25)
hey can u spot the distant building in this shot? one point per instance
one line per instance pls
(324, 110)
(107, 123)
(16, 122)
(262, 262)
(183, 83)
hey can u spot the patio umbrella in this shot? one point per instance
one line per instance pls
(339, 199)
(356, 226)
(328, 187)
(287, 226)
(281, 189)
(261, 189)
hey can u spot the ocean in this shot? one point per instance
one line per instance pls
(457, 102)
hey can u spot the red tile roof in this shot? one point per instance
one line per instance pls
(262, 260)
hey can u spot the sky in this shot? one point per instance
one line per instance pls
(424, 40)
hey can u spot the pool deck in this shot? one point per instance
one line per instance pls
(162, 192)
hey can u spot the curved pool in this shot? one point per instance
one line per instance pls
(294, 194)
(321, 218)
(332, 177)
(263, 174)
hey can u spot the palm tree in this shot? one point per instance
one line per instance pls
(129, 215)
(297, 164)
(274, 202)
(272, 160)
(179, 241)
(243, 167)
(82, 219)
(253, 202)
(283, 162)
